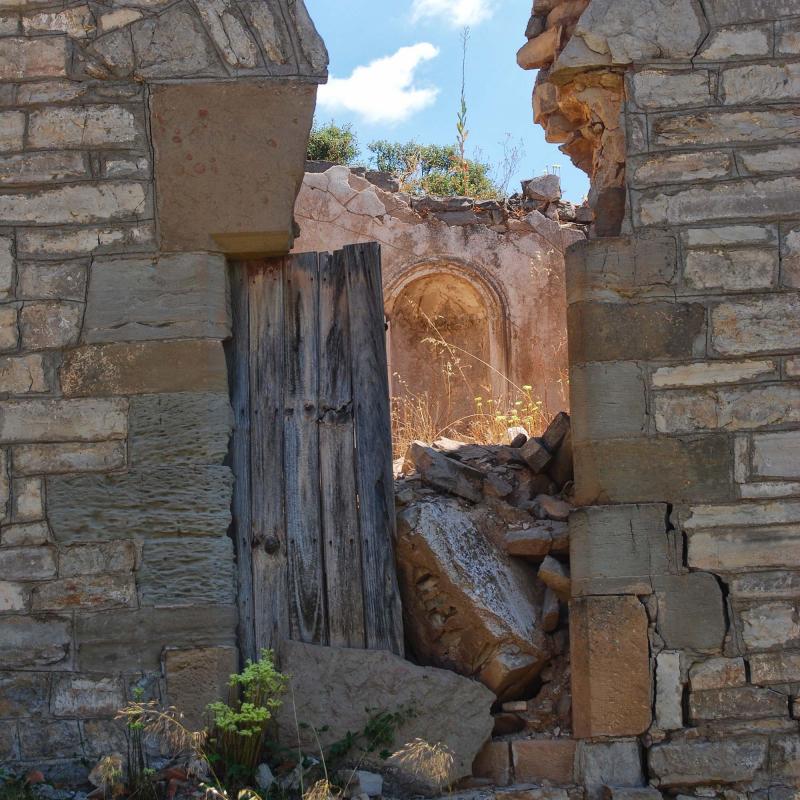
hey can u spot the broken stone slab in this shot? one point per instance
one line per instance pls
(545, 188)
(334, 688)
(442, 204)
(556, 576)
(535, 541)
(553, 508)
(536, 455)
(551, 611)
(468, 606)
(446, 473)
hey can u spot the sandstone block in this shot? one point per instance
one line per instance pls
(727, 235)
(711, 373)
(767, 668)
(755, 325)
(681, 168)
(187, 571)
(744, 702)
(77, 22)
(621, 470)
(601, 331)
(537, 760)
(776, 512)
(9, 330)
(694, 763)
(759, 585)
(27, 563)
(607, 401)
(718, 673)
(664, 89)
(610, 661)
(145, 368)
(134, 640)
(27, 534)
(63, 420)
(33, 168)
(759, 83)
(335, 686)
(618, 549)
(745, 548)
(27, 500)
(97, 559)
(691, 611)
(23, 375)
(669, 691)
(76, 695)
(59, 281)
(534, 542)
(43, 739)
(50, 325)
(776, 455)
(475, 599)
(553, 574)
(141, 503)
(12, 130)
(493, 762)
(730, 44)
(35, 642)
(602, 764)
(53, 459)
(731, 270)
(13, 596)
(24, 694)
(128, 167)
(182, 296)
(198, 676)
(773, 159)
(95, 593)
(25, 59)
(44, 243)
(770, 625)
(84, 126)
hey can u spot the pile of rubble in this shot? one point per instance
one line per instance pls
(483, 562)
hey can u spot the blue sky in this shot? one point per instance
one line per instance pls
(396, 74)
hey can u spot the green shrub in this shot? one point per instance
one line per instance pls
(332, 142)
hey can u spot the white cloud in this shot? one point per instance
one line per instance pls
(455, 12)
(383, 90)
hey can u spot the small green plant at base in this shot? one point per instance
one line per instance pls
(15, 787)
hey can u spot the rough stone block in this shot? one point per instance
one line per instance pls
(681, 168)
(726, 12)
(197, 677)
(760, 83)
(744, 702)
(731, 270)
(494, 763)
(44, 641)
(745, 548)
(12, 130)
(13, 596)
(767, 668)
(24, 694)
(617, 549)
(608, 401)
(537, 760)
(33, 168)
(25, 59)
(728, 200)
(610, 658)
(760, 585)
(776, 455)
(28, 534)
(145, 368)
(182, 296)
(695, 763)
(27, 563)
(49, 243)
(769, 625)
(185, 571)
(655, 89)
(773, 159)
(787, 41)
(134, 640)
(691, 611)
(63, 420)
(731, 44)
(669, 691)
(229, 199)
(6, 267)
(711, 373)
(97, 559)
(103, 736)
(183, 428)
(740, 327)
(53, 459)
(23, 375)
(9, 329)
(81, 203)
(144, 503)
(95, 593)
(602, 764)
(621, 471)
(602, 331)
(790, 259)
(729, 235)
(84, 127)
(27, 500)
(718, 673)
(77, 21)
(48, 740)
(50, 325)
(76, 695)
(59, 281)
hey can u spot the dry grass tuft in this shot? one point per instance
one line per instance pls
(431, 762)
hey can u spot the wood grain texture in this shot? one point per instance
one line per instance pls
(382, 611)
(340, 523)
(307, 615)
(269, 542)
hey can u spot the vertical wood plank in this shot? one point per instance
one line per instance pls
(269, 540)
(307, 613)
(340, 526)
(239, 381)
(382, 611)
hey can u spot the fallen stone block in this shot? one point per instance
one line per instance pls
(536, 455)
(446, 473)
(556, 576)
(533, 542)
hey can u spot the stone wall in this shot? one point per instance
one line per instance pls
(485, 277)
(123, 185)
(684, 343)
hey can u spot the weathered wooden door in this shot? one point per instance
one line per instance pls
(314, 501)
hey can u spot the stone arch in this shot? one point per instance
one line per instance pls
(451, 300)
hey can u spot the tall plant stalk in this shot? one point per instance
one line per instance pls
(461, 121)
